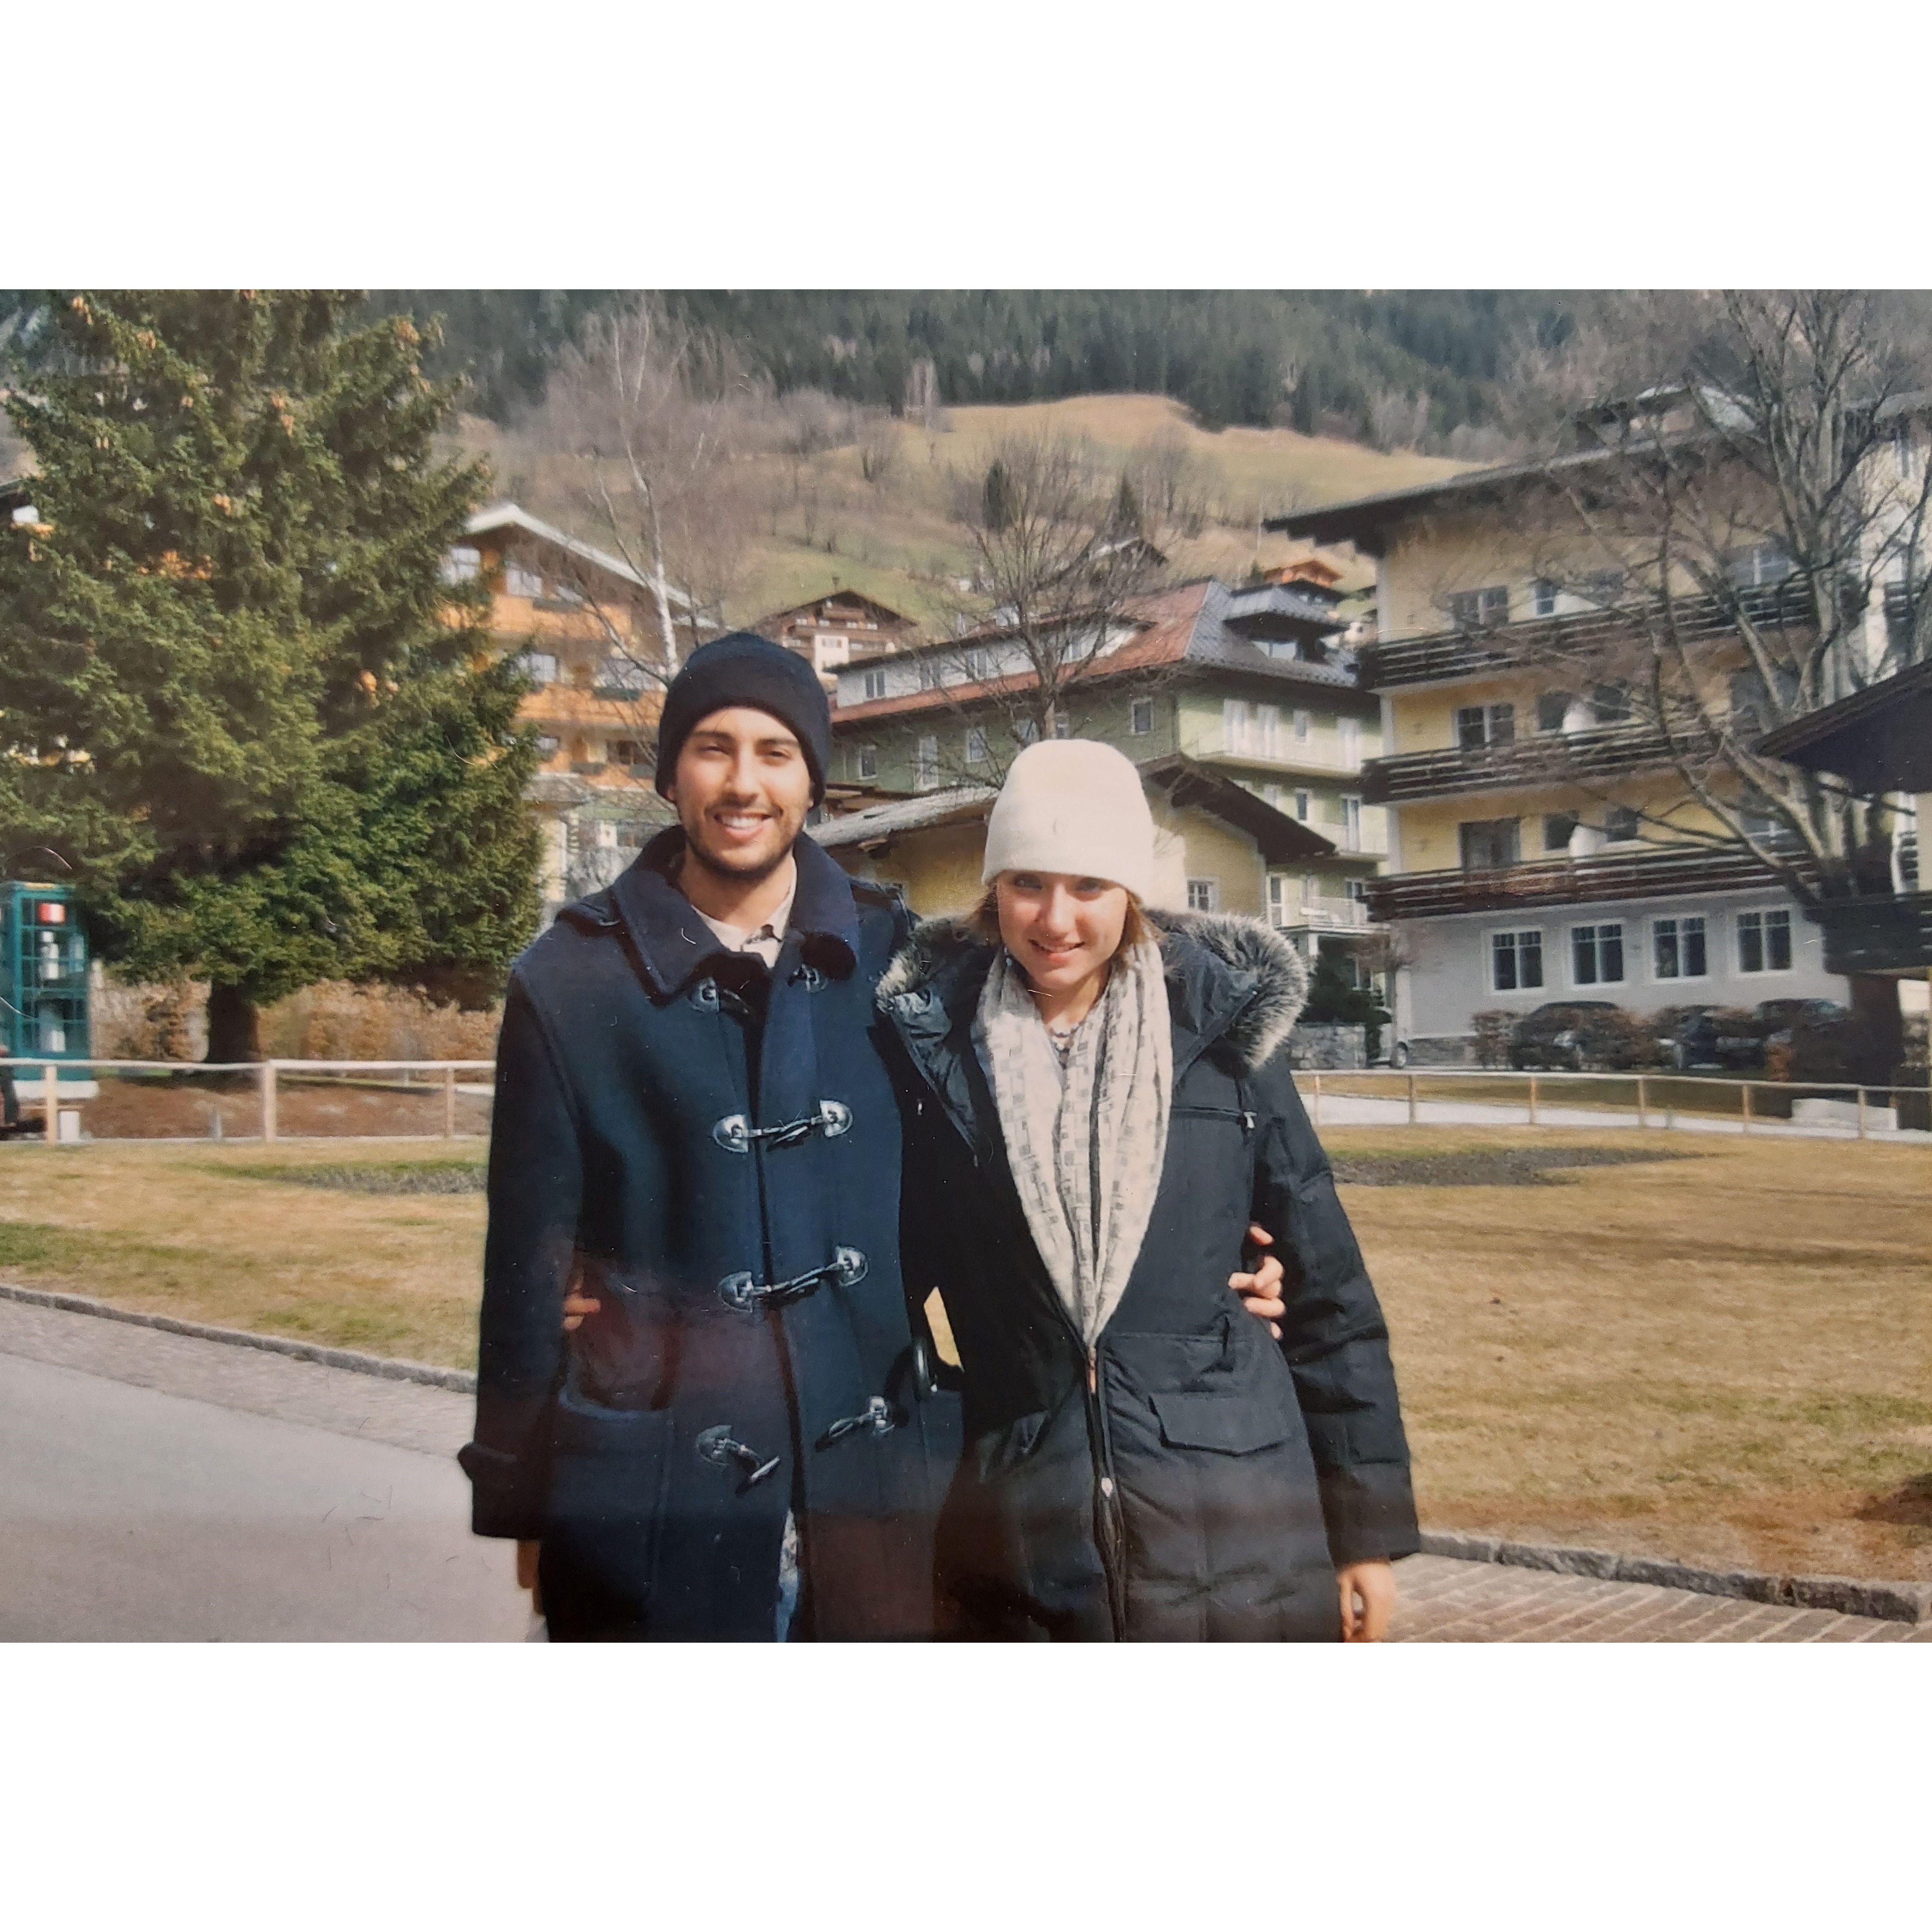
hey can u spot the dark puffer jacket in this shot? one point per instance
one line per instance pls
(1191, 1478)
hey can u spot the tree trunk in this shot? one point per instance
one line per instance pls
(234, 1026)
(1875, 1044)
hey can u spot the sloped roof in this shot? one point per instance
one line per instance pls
(507, 516)
(777, 617)
(956, 804)
(1879, 739)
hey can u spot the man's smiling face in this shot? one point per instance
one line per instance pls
(742, 788)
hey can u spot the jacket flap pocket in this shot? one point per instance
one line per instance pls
(1234, 1424)
(585, 1428)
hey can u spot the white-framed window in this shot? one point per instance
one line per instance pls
(869, 761)
(1303, 804)
(1516, 960)
(1272, 794)
(1764, 941)
(1026, 730)
(1283, 897)
(1203, 895)
(1552, 710)
(623, 674)
(1140, 717)
(1063, 725)
(926, 764)
(607, 834)
(1623, 825)
(539, 667)
(1558, 828)
(1760, 565)
(1475, 610)
(521, 580)
(1479, 724)
(976, 744)
(932, 674)
(1304, 724)
(1543, 592)
(873, 683)
(1677, 950)
(1597, 954)
(1357, 889)
(462, 563)
(1348, 732)
(1351, 823)
(547, 747)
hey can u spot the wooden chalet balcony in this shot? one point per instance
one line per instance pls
(1877, 935)
(1443, 657)
(1662, 871)
(1551, 757)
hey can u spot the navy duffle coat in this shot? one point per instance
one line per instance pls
(712, 1149)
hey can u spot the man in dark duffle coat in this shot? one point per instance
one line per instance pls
(695, 1130)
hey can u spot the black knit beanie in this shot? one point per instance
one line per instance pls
(743, 668)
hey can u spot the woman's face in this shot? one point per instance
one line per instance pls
(1063, 929)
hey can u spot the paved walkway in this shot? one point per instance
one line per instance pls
(1445, 1600)
(158, 1486)
(1356, 1110)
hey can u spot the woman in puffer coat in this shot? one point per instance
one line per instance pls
(1099, 1104)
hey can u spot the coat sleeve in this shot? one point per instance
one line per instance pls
(1333, 1336)
(535, 1187)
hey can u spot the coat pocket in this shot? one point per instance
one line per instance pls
(1232, 1424)
(609, 1470)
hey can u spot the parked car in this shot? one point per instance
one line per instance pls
(1560, 1035)
(1686, 1036)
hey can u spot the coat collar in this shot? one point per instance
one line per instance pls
(673, 941)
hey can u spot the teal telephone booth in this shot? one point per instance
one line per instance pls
(44, 984)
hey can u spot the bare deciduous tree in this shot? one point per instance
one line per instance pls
(1065, 564)
(1750, 517)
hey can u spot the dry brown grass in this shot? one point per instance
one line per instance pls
(1726, 1358)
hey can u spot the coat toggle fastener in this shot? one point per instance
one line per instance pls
(735, 1134)
(747, 1295)
(878, 1415)
(718, 1446)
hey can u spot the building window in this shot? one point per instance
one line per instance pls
(1063, 725)
(1559, 827)
(1026, 730)
(1272, 794)
(1140, 717)
(1516, 961)
(869, 761)
(546, 748)
(1542, 595)
(1487, 843)
(1764, 942)
(1479, 724)
(1357, 889)
(539, 667)
(623, 674)
(1623, 825)
(1596, 954)
(1349, 731)
(1603, 587)
(1203, 894)
(1552, 710)
(1677, 947)
(521, 580)
(1351, 824)
(1476, 609)
(1762, 565)
(873, 683)
(1302, 726)
(1610, 703)
(926, 764)
(463, 563)
(932, 674)
(976, 744)
(1282, 895)
(626, 751)
(1301, 806)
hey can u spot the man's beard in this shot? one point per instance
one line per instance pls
(739, 871)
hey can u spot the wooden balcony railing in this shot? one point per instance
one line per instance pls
(1442, 656)
(1877, 935)
(1554, 757)
(1662, 871)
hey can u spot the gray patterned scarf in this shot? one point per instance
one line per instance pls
(1085, 1143)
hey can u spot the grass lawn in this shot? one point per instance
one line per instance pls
(1725, 1357)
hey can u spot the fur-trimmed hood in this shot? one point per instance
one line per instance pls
(1211, 953)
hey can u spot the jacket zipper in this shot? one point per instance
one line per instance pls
(1111, 1537)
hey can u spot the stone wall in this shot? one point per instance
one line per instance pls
(1328, 1046)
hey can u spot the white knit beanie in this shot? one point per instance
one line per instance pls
(1070, 805)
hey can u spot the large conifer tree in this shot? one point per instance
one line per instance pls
(242, 700)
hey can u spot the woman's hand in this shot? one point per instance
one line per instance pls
(1259, 1290)
(1368, 1601)
(576, 1306)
